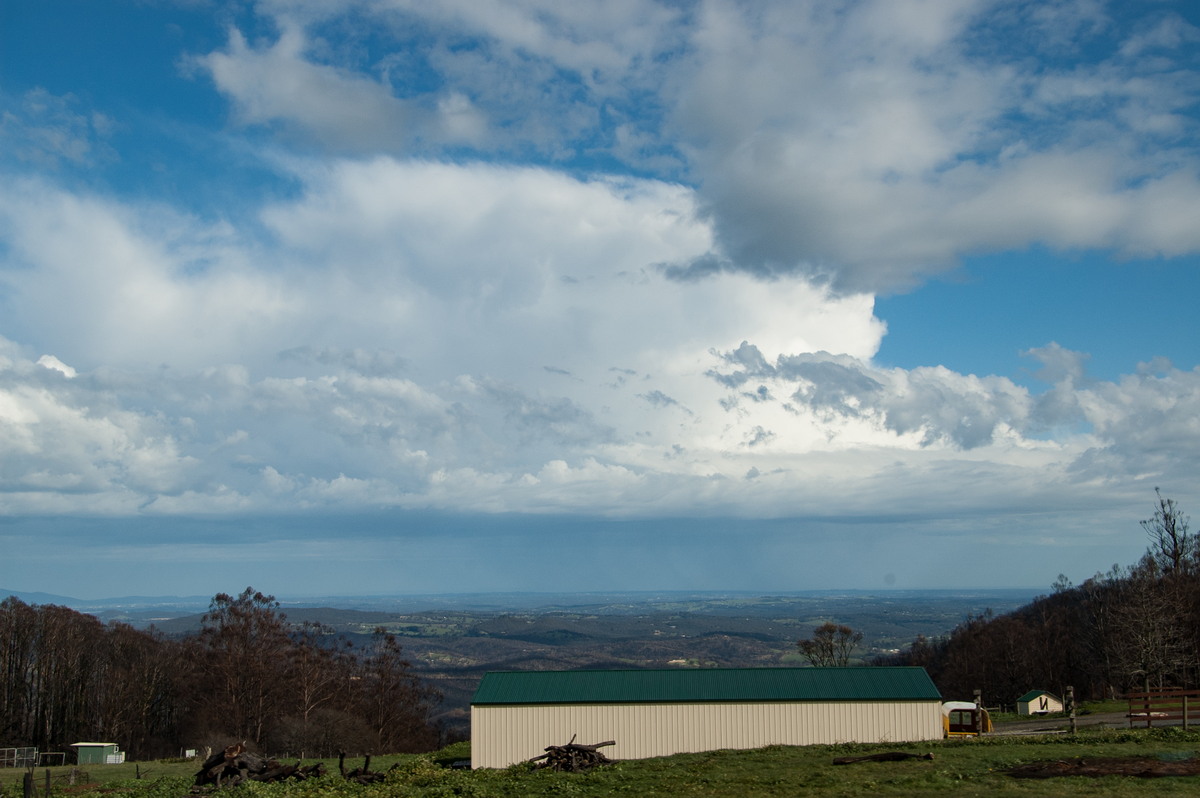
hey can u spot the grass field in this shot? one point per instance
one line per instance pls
(961, 768)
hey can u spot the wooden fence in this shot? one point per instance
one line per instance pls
(67, 780)
(1165, 707)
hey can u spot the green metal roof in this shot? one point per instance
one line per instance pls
(1032, 694)
(705, 684)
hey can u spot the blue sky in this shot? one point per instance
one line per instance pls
(388, 296)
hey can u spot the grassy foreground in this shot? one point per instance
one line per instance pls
(960, 768)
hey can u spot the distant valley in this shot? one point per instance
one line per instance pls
(452, 640)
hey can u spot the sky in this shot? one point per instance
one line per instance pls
(392, 297)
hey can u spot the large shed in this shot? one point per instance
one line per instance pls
(516, 714)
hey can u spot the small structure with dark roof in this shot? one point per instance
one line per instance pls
(1038, 702)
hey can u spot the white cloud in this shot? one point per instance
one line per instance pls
(873, 147)
(426, 334)
(105, 283)
(67, 440)
(597, 41)
(507, 74)
(1166, 34)
(869, 144)
(530, 269)
(829, 435)
(277, 83)
(51, 362)
(49, 131)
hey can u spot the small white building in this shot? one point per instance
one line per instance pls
(1038, 702)
(648, 713)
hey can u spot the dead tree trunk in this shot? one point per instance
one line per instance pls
(235, 764)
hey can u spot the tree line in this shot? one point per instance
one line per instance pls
(249, 674)
(1130, 629)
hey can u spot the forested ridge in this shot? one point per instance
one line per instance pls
(65, 677)
(1132, 628)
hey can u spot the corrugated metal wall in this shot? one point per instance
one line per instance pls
(503, 735)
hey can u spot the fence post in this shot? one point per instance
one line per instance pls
(29, 783)
(47, 782)
(1185, 711)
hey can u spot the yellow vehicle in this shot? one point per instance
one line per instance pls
(965, 719)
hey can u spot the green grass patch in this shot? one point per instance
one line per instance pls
(1095, 707)
(963, 767)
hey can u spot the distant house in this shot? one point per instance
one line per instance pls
(1038, 702)
(98, 753)
(515, 715)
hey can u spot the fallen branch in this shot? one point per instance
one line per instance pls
(362, 775)
(890, 756)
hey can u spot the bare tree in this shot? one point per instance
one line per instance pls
(245, 651)
(393, 700)
(65, 676)
(1150, 629)
(18, 664)
(314, 669)
(135, 693)
(320, 672)
(1097, 631)
(248, 675)
(830, 646)
(1171, 545)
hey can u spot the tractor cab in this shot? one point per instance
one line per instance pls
(964, 719)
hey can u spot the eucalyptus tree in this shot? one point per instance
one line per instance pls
(244, 651)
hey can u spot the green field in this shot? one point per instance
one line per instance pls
(960, 767)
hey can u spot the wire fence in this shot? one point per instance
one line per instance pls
(36, 786)
(18, 757)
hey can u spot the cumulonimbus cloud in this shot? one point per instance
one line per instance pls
(456, 305)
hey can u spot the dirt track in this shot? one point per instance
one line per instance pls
(1143, 767)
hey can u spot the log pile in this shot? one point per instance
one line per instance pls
(573, 757)
(235, 764)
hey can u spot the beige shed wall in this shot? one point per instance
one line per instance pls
(503, 735)
(1030, 707)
